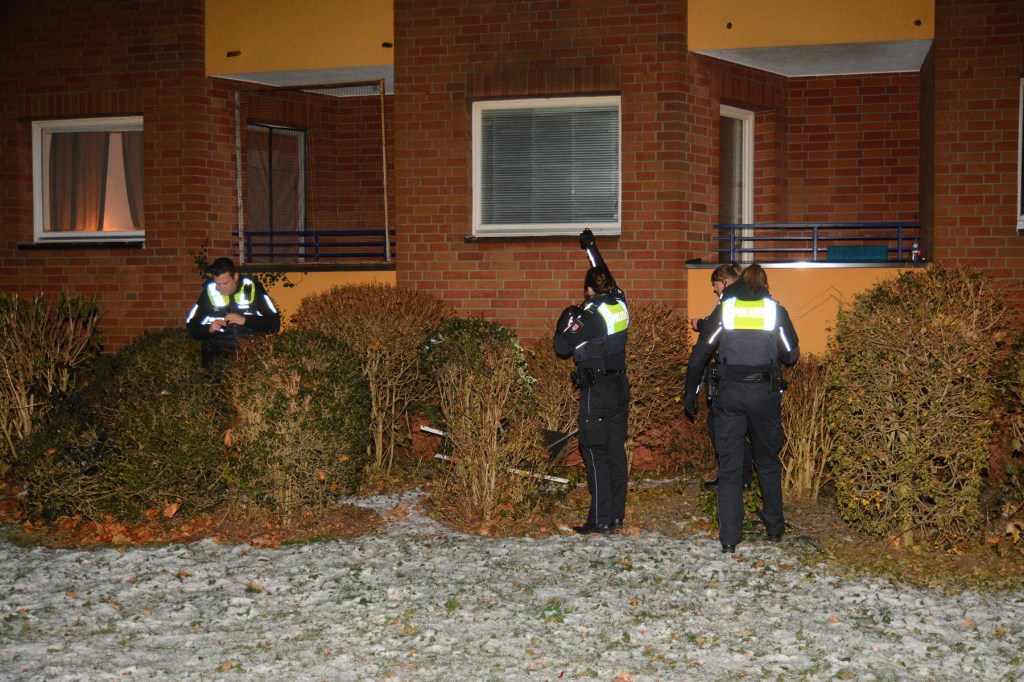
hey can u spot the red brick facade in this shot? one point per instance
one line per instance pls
(939, 145)
(979, 61)
(840, 148)
(110, 58)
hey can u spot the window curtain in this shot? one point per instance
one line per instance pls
(257, 203)
(730, 179)
(131, 143)
(284, 152)
(78, 181)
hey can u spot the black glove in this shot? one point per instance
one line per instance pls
(586, 239)
(690, 405)
(569, 320)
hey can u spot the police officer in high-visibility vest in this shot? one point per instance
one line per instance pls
(754, 338)
(230, 308)
(595, 335)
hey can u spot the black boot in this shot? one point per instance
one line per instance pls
(588, 528)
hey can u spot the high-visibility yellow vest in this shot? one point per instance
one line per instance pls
(243, 296)
(616, 316)
(759, 315)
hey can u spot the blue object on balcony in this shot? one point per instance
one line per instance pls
(857, 253)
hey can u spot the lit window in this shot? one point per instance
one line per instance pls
(88, 180)
(546, 166)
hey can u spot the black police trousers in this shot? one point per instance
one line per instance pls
(603, 421)
(754, 410)
(748, 449)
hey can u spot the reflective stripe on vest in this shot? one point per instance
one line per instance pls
(616, 316)
(243, 295)
(755, 315)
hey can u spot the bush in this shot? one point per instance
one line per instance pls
(144, 432)
(556, 396)
(1006, 464)
(910, 396)
(657, 352)
(301, 424)
(489, 415)
(42, 346)
(809, 437)
(385, 326)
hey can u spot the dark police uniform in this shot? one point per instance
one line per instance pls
(250, 300)
(753, 335)
(595, 335)
(710, 386)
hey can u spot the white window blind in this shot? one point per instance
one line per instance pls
(547, 166)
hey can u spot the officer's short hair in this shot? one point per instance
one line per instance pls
(730, 272)
(599, 278)
(222, 265)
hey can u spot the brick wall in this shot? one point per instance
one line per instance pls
(853, 148)
(979, 60)
(450, 53)
(106, 58)
(840, 148)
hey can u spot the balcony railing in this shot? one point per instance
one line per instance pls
(863, 242)
(319, 246)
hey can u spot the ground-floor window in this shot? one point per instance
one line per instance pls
(88, 180)
(1020, 161)
(546, 166)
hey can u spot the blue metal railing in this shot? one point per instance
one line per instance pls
(787, 242)
(318, 246)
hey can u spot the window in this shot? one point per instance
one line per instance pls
(275, 184)
(736, 175)
(546, 167)
(1020, 161)
(88, 180)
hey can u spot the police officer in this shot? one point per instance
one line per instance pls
(595, 335)
(725, 281)
(230, 308)
(753, 336)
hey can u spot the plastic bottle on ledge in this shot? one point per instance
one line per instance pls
(915, 251)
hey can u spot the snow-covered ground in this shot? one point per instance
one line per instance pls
(418, 602)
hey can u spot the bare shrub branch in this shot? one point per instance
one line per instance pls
(385, 326)
(41, 347)
(490, 417)
(809, 438)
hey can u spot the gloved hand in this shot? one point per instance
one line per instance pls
(586, 239)
(569, 320)
(690, 405)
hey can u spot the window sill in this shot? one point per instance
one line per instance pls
(105, 244)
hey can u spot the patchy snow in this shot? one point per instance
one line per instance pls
(418, 602)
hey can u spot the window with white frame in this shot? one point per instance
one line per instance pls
(736, 178)
(87, 178)
(1020, 161)
(546, 166)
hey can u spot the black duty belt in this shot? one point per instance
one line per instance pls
(754, 378)
(588, 376)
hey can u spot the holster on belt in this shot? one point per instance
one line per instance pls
(588, 376)
(711, 380)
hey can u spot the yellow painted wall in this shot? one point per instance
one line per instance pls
(286, 35)
(811, 295)
(772, 23)
(287, 299)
